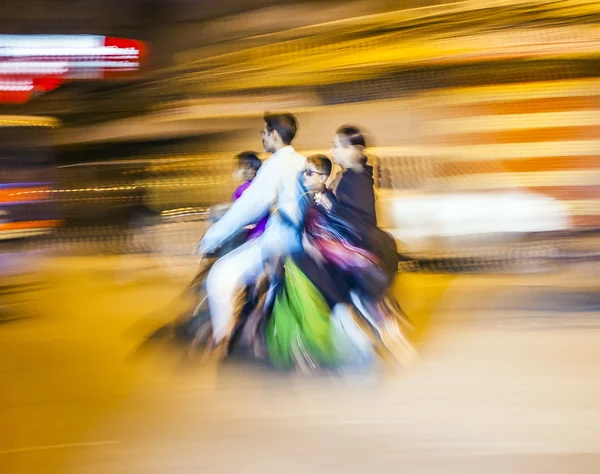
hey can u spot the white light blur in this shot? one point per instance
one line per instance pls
(16, 86)
(51, 41)
(34, 67)
(105, 64)
(59, 68)
(51, 51)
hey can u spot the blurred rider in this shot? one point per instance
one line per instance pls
(278, 188)
(247, 165)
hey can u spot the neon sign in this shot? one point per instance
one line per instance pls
(35, 64)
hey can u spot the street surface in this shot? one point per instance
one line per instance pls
(507, 382)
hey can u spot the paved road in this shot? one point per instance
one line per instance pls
(82, 391)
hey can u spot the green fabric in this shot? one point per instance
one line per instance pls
(300, 318)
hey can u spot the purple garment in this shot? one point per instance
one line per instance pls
(259, 228)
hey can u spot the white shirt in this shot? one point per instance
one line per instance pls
(276, 185)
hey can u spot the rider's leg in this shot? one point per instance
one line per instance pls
(353, 345)
(226, 278)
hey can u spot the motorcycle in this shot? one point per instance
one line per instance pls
(381, 320)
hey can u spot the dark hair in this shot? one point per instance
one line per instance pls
(321, 162)
(284, 124)
(249, 159)
(352, 135)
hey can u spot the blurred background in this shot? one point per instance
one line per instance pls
(119, 123)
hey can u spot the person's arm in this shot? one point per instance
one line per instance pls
(252, 205)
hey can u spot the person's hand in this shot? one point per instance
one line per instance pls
(206, 244)
(323, 200)
(311, 250)
(199, 250)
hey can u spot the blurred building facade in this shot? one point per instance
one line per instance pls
(466, 97)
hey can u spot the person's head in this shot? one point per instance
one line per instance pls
(279, 131)
(316, 172)
(246, 166)
(348, 148)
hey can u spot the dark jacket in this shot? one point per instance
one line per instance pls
(356, 197)
(356, 205)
